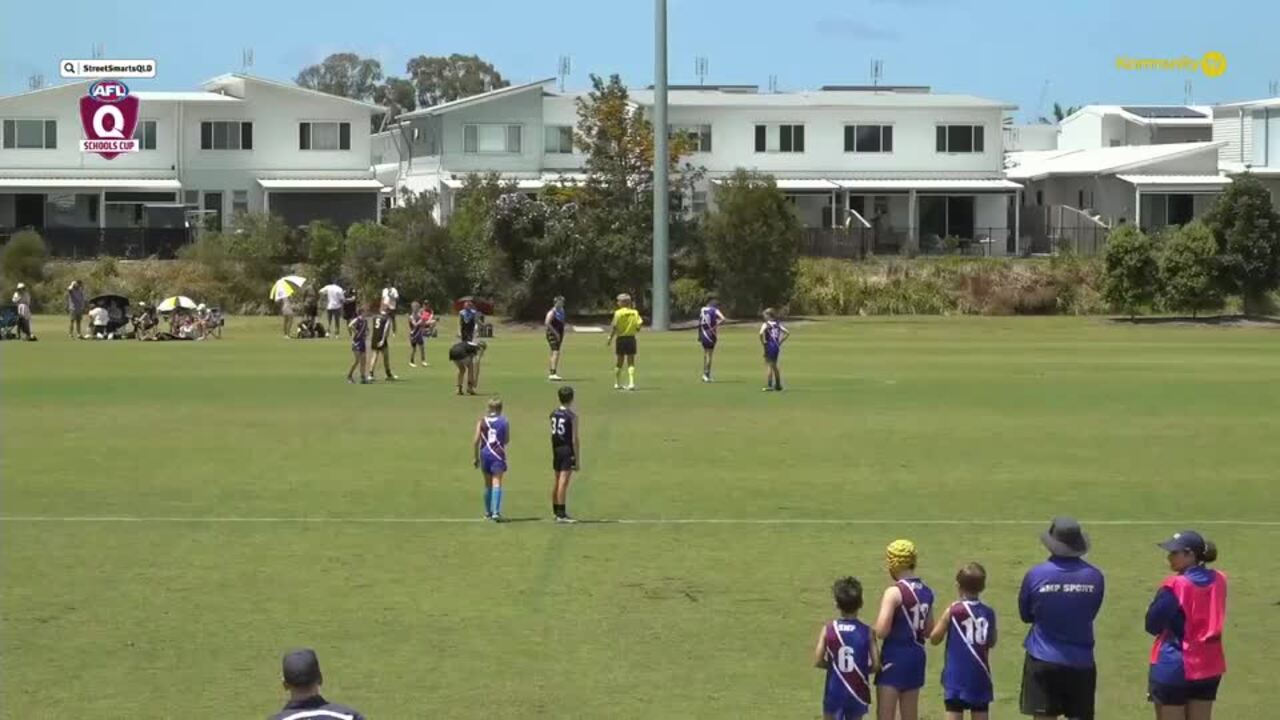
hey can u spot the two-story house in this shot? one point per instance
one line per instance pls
(1250, 136)
(237, 144)
(1100, 126)
(906, 165)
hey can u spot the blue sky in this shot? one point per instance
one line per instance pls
(1015, 51)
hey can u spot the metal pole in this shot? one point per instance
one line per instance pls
(661, 196)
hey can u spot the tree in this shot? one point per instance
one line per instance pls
(469, 223)
(444, 79)
(1188, 270)
(344, 74)
(325, 248)
(752, 240)
(1130, 270)
(22, 259)
(1246, 229)
(397, 95)
(1060, 113)
(364, 260)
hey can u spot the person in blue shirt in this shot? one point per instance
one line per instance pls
(969, 626)
(709, 321)
(772, 335)
(489, 443)
(1059, 599)
(302, 679)
(846, 650)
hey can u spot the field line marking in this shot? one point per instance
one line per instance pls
(619, 521)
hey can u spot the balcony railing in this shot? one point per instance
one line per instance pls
(856, 243)
(127, 243)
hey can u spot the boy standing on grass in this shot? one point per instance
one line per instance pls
(564, 452)
(847, 651)
(417, 333)
(969, 626)
(358, 328)
(380, 346)
(626, 323)
(709, 320)
(490, 455)
(772, 335)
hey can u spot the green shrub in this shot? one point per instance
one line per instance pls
(687, 297)
(1246, 229)
(22, 259)
(752, 243)
(1189, 269)
(325, 248)
(1131, 270)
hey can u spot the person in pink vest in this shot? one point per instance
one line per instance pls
(1187, 617)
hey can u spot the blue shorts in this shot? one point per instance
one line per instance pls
(771, 354)
(492, 464)
(844, 712)
(903, 668)
(708, 342)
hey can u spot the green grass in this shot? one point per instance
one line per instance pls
(997, 423)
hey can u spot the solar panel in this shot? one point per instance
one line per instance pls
(1165, 112)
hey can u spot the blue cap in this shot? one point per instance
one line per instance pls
(1183, 541)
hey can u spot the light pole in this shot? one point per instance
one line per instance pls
(661, 196)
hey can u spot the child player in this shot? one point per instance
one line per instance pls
(490, 448)
(847, 651)
(554, 322)
(417, 331)
(359, 330)
(564, 452)
(772, 335)
(906, 616)
(380, 345)
(709, 319)
(969, 626)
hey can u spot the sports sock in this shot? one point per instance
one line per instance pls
(617, 376)
(488, 496)
(495, 502)
(557, 509)
(631, 375)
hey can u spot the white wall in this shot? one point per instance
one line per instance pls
(524, 108)
(1038, 136)
(1266, 138)
(559, 110)
(1080, 131)
(1231, 126)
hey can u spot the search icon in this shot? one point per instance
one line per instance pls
(69, 69)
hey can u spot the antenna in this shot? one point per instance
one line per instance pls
(246, 59)
(564, 68)
(35, 82)
(773, 83)
(877, 71)
(98, 51)
(1187, 95)
(1044, 94)
(1273, 88)
(700, 67)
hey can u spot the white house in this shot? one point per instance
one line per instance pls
(237, 144)
(1034, 136)
(907, 165)
(1250, 136)
(1100, 126)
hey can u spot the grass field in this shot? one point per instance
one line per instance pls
(177, 515)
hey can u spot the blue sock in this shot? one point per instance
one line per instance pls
(495, 502)
(488, 498)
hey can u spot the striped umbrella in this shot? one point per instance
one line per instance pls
(287, 286)
(170, 304)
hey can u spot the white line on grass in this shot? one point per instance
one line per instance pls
(620, 521)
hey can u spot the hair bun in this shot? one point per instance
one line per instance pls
(1210, 552)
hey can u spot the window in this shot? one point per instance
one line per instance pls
(701, 135)
(324, 136)
(31, 134)
(780, 138)
(191, 198)
(698, 202)
(491, 138)
(226, 135)
(960, 138)
(559, 139)
(239, 202)
(145, 134)
(868, 138)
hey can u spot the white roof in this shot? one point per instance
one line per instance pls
(1205, 110)
(331, 184)
(475, 99)
(525, 182)
(1037, 164)
(820, 98)
(946, 184)
(1263, 103)
(805, 184)
(116, 183)
(179, 96)
(232, 78)
(1185, 182)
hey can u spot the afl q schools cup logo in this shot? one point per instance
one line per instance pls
(109, 115)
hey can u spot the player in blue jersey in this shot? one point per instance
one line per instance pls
(417, 335)
(969, 627)
(489, 444)
(772, 335)
(847, 651)
(709, 320)
(906, 616)
(554, 322)
(564, 452)
(359, 328)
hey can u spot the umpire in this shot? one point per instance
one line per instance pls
(302, 679)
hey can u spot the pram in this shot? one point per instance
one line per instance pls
(8, 322)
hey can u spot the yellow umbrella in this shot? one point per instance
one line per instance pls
(170, 304)
(287, 286)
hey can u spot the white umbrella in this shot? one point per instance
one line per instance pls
(170, 304)
(287, 286)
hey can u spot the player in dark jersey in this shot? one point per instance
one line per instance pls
(417, 335)
(709, 320)
(554, 321)
(564, 452)
(467, 321)
(466, 357)
(969, 627)
(380, 344)
(493, 432)
(772, 335)
(906, 616)
(846, 649)
(359, 331)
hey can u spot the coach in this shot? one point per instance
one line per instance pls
(302, 679)
(1060, 599)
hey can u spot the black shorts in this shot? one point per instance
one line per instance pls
(1049, 689)
(553, 340)
(562, 458)
(1178, 695)
(962, 705)
(334, 314)
(458, 352)
(625, 345)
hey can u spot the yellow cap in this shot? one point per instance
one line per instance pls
(900, 554)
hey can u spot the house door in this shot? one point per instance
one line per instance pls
(28, 211)
(1181, 209)
(960, 216)
(213, 202)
